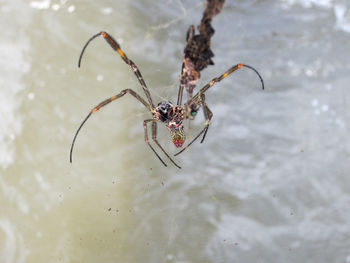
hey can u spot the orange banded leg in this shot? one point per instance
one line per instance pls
(228, 72)
(199, 98)
(104, 103)
(114, 44)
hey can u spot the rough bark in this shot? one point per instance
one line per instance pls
(197, 52)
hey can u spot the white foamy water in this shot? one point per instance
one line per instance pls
(12, 248)
(340, 8)
(13, 66)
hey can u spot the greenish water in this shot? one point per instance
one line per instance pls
(269, 184)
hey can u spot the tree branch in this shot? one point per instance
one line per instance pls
(197, 52)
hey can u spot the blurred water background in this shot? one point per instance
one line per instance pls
(269, 184)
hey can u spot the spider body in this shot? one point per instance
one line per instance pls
(170, 115)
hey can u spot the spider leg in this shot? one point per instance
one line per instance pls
(181, 88)
(154, 137)
(147, 141)
(114, 44)
(104, 103)
(214, 80)
(189, 36)
(199, 98)
(208, 115)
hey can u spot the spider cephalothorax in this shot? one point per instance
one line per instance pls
(172, 116)
(165, 112)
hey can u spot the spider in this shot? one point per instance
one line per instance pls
(165, 112)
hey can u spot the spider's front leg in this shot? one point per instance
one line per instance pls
(199, 99)
(114, 44)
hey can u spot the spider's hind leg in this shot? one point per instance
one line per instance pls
(207, 115)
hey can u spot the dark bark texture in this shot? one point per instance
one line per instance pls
(197, 52)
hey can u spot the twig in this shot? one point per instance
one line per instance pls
(197, 52)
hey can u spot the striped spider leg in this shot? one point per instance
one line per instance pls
(192, 106)
(165, 112)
